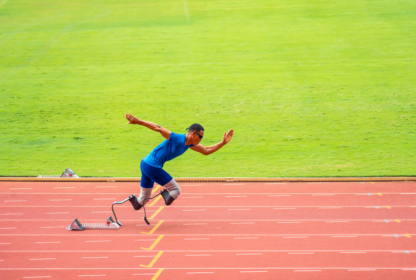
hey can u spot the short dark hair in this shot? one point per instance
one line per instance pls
(195, 127)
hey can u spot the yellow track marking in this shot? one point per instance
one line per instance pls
(154, 260)
(408, 235)
(154, 243)
(157, 274)
(388, 207)
(397, 220)
(155, 189)
(157, 212)
(154, 201)
(380, 194)
(153, 230)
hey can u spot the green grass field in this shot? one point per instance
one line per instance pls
(311, 88)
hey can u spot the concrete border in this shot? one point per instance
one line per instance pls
(208, 180)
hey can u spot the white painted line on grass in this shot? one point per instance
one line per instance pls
(15, 200)
(48, 242)
(66, 199)
(44, 259)
(94, 257)
(98, 241)
(196, 238)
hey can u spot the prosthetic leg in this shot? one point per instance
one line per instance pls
(171, 192)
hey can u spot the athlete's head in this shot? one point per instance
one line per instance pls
(196, 132)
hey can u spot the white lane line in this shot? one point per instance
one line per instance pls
(42, 259)
(239, 209)
(9, 228)
(104, 212)
(201, 224)
(94, 257)
(362, 269)
(21, 188)
(301, 253)
(352, 252)
(145, 240)
(283, 208)
(196, 238)
(192, 197)
(48, 242)
(250, 254)
(104, 198)
(242, 223)
(235, 196)
(15, 200)
(253, 271)
(279, 195)
(54, 227)
(5, 243)
(98, 241)
(245, 237)
(229, 184)
(275, 183)
(12, 214)
(91, 275)
(57, 213)
(330, 207)
(145, 257)
(144, 274)
(37, 276)
(194, 210)
(323, 194)
(198, 272)
(203, 255)
(101, 187)
(289, 222)
(336, 221)
(66, 199)
(64, 187)
(306, 270)
(345, 236)
(294, 237)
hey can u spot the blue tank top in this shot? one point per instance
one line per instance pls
(167, 150)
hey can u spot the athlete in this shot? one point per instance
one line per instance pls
(174, 146)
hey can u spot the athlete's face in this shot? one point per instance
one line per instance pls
(197, 137)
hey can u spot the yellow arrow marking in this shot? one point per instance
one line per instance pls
(408, 235)
(397, 220)
(157, 274)
(154, 260)
(154, 243)
(388, 207)
(153, 230)
(154, 201)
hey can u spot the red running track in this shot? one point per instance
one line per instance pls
(214, 231)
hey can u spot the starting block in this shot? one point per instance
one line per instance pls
(77, 225)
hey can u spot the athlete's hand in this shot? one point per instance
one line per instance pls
(228, 136)
(132, 119)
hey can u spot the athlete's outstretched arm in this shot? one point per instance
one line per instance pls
(212, 149)
(163, 131)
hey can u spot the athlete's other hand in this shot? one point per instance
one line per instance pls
(132, 119)
(228, 136)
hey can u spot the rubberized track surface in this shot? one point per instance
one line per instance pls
(213, 231)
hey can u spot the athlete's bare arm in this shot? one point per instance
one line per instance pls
(163, 131)
(212, 149)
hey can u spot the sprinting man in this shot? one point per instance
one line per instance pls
(174, 146)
